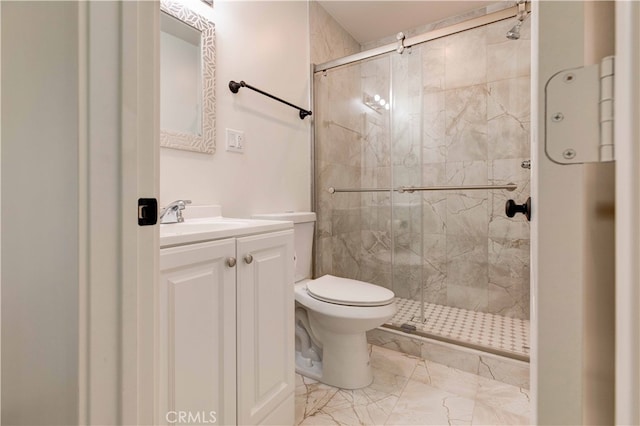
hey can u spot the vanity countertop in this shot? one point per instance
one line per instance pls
(215, 228)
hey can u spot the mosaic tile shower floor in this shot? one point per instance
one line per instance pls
(407, 390)
(510, 335)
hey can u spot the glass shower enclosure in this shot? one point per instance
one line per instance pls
(415, 157)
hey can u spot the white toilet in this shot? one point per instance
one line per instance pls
(332, 316)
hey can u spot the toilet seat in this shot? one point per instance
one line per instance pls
(344, 291)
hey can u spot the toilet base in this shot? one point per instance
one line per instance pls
(308, 367)
(345, 362)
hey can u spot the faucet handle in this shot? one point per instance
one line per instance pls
(172, 213)
(182, 204)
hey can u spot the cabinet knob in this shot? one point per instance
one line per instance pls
(248, 259)
(231, 262)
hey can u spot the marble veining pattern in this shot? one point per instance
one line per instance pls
(360, 234)
(328, 39)
(408, 390)
(460, 115)
(483, 364)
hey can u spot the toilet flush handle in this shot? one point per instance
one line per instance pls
(248, 259)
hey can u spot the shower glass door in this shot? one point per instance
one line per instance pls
(406, 127)
(439, 114)
(352, 151)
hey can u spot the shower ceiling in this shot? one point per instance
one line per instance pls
(372, 20)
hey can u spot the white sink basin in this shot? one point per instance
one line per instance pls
(214, 228)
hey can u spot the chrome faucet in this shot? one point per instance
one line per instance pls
(173, 212)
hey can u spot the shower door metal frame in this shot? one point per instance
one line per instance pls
(469, 24)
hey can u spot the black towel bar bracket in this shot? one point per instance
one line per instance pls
(235, 87)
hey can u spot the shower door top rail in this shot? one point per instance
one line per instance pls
(411, 189)
(476, 22)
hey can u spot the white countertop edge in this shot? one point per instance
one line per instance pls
(252, 227)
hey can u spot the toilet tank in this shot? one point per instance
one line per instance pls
(303, 223)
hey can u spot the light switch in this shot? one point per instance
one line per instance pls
(235, 140)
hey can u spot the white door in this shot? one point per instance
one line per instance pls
(265, 329)
(197, 334)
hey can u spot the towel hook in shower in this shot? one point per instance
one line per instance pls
(235, 87)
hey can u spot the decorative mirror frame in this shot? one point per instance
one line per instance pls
(206, 142)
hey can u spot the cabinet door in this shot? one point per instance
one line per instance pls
(197, 358)
(265, 329)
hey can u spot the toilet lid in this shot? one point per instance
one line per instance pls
(343, 291)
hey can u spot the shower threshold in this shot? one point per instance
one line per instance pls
(496, 334)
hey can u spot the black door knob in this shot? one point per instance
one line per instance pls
(511, 208)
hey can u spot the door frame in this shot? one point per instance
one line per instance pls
(627, 131)
(119, 163)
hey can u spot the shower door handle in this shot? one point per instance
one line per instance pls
(511, 208)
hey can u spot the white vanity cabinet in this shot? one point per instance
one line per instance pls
(265, 339)
(225, 334)
(197, 325)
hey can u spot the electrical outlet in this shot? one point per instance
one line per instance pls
(235, 140)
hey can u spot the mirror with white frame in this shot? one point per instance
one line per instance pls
(187, 79)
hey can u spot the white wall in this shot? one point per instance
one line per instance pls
(266, 44)
(39, 188)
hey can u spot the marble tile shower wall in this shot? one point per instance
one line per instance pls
(460, 116)
(338, 163)
(476, 94)
(338, 151)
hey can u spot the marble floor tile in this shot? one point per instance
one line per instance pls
(446, 378)
(504, 397)
(311, 397)
(485, 415)
(367, 406)
(393, 362)
(422, 404)
(409, 391)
